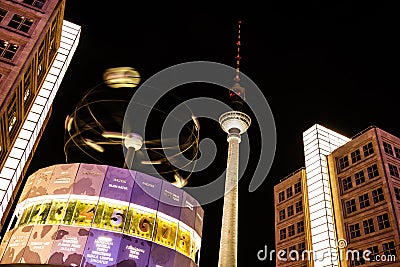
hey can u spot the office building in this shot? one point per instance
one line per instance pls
(351, 194)
(36, 46)
(291, 204)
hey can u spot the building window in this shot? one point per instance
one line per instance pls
(360, 259)
(300, 227)
(290, 211)
(393, 170)
(281, 196)
(20, 23)
(354, 230)
(351, 206)
(359, 177)
(289, 192)
(282, 234)
(343, 162)
(374, 252)
(53, 42)
(397, 152)
(368, 226)
(383, 221)
(299, 206)
(297, 188)
(281, 215)
(364, 201)
(41, 69)
(389, 249)
(388, 148)
(28, 88)
(301, 247)
(397, 193)
(377, 195)
(291, 231)
(347, 184)
(7, 50)
(12, 114)
(368, 149)
(3, 13)
(292, 252)
(35, 3)
(2, 145)
(372, 171)
(355, 156)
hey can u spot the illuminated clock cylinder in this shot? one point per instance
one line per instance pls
(79, 214)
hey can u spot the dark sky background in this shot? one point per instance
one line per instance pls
(331, 62)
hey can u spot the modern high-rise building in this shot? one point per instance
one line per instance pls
(350, 190)
(36, 46)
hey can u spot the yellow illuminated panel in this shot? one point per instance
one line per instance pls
(110, 216)
(128, 220)
(142, 224)
(183, 241)
(69, 213)
(195, 246)
(35, 214)
(99, 214)
(26, 214)
(84, 212)
(44, 212)
(57, 212)
(165, 232)
(193, 250)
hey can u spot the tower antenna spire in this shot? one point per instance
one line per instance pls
(237, 78)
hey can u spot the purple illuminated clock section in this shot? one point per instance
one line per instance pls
(118, 184)
(101, 248)
(146, 191)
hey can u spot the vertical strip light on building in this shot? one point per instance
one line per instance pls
(22, 148)
(318, 143)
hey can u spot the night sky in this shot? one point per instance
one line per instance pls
(332, 63)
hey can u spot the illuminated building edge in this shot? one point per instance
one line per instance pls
(319, 142)
(31, 128)
(87, 213)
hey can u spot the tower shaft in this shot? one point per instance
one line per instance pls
(234, 123)
(229, 233)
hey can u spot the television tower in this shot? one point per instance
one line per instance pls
(234, 123)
